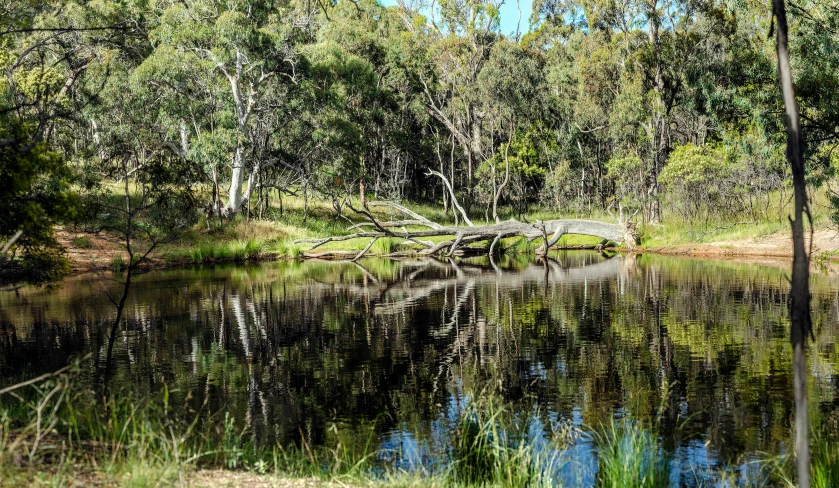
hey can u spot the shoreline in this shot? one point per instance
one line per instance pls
(704, 252)
(774, 249)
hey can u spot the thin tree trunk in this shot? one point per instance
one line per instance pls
(252, 181)
(234, 200)
(451, 178)
(497, 192)
(280, 198)
(305, 200)
(799, 306)
(658, 140)
(115, 324)
(362, 187)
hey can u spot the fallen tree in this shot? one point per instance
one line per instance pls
(463, 239)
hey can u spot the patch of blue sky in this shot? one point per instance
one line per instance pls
(514, 16)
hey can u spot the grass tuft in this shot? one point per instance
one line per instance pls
(82, 242)
(630, 457)
(491, 450)
(118, 263)
(385, 245)
(824, 468)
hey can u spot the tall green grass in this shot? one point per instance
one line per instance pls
(825, 463)
(117, 263)
(489, 452)
(53, 432)
(385, 245)
(215, 252)
(630, 457)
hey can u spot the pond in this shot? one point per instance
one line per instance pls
(392, 349)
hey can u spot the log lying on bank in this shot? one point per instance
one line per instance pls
(462, 239)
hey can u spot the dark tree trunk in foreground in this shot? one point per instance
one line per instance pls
(800, 287)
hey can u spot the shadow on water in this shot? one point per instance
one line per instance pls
(294, 351)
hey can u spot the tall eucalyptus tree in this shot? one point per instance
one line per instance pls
(244, 46)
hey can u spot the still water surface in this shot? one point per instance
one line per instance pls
(300, 349)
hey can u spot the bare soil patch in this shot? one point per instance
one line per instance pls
(778, 245)
(97, 252)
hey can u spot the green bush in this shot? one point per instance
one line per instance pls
(700, 182)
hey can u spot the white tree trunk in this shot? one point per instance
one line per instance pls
(234, 199)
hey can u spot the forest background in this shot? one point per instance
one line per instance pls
(182, 123)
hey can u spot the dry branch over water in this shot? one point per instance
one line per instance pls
(462, 238)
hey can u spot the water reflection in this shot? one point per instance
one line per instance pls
(303, 349)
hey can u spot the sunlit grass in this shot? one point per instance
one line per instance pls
(491, 450)
(217, 251)
(824, 461)
(630, 457)
(825, 464)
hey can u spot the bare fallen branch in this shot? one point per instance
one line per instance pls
(366, 248)
(406, 211)
(461, 237)
(453, 197)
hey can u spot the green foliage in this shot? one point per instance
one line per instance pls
(560, 186)
(627, 173)
(526, 167)
(700, 181)
(36, 196)
(629, 456)
(595, 112)
(692, 168)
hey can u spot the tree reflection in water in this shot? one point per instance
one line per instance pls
(698, 347)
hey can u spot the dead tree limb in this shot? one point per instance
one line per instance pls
(366, 248)
(392, 223)
(406, 211)
(461, 237)
(457, 240)
(494, 243)
(455, 203)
